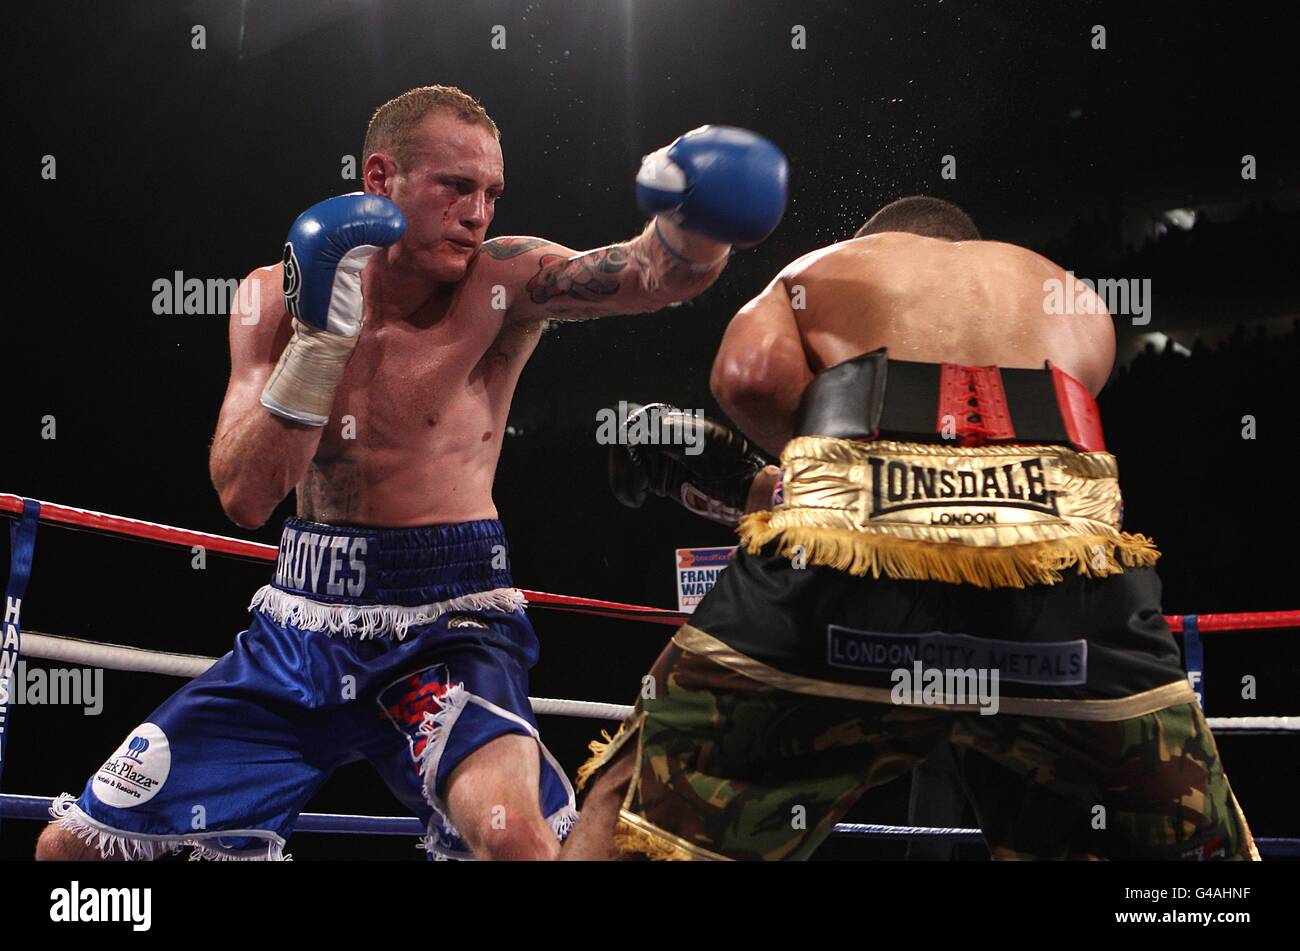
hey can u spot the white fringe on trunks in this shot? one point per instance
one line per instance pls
(437, 727)
(373, 620)
(132, 846)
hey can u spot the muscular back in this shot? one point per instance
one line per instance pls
(977, 303)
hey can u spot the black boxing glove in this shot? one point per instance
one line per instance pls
(703, 465)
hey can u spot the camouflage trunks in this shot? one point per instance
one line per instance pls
(737, 758)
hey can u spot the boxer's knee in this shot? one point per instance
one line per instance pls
(492, 800)
(58, 844)
(518, 838)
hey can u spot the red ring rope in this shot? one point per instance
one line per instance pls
(70, 517)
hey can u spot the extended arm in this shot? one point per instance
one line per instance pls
(713, 188)
(547, 280)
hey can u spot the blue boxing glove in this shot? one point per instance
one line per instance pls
(328, 247)
(725, 183)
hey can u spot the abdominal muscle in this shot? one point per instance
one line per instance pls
(384, 488)
(414, 437)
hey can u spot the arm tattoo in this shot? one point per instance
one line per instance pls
(594, 276)
(504, 248)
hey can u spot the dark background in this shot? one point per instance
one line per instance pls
(175, 159)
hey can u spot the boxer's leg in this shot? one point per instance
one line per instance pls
(493, 803)
(1149, 787)
(721, 765)
(57, 844)
(592, 838)
(225, 764)
(937, 799)
(466, 753)
(488, 806)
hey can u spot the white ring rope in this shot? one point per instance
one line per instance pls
(117, 657)
(1254, 724)
(113, 656)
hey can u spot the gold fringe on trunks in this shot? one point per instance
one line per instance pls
(637, 837)
(1001, 516)
(861, 554)
(602, 751)
(633, 841)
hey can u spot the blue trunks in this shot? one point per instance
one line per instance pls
(405, 647)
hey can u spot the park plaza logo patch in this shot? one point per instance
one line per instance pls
(134, 774)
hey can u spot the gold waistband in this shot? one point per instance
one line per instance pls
(992, 516)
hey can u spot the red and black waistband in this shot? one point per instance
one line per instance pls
(874, 397)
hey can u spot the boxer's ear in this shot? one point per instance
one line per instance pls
(378, 173)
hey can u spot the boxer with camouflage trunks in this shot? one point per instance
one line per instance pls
(943, 563)
(391, 630)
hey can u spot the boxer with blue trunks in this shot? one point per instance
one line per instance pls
(432, 664)
(379, 392)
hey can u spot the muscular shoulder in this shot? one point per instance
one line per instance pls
(509, 260)
(857, 259)
(861, 255)
(260, 300)
(508, 247)
(517, 257)
(1045, 277)
(1011, 255)
(891, 255)
(520, 265)
(271, 276)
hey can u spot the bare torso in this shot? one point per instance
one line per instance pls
(976, 303)
(420, 414)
